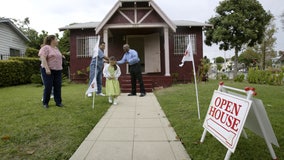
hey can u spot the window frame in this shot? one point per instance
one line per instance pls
(181, 42)
(85, 46)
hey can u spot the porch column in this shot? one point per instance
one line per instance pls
(167, 52)
(106, 41)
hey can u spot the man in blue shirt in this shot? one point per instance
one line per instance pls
(98, 62)
(131, 57)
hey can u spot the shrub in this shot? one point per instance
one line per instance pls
(224, 77)
(239, 78)
(31, 52)
(11, 72)
(269, 76)
(36, 78)
(18, 70)
(31, 66)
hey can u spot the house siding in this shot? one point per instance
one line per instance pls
(116, 42)
(185, 73)
(10, 39)
(79, 63)
(119, 28)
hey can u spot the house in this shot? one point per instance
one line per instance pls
(278, 62)
(159, 41)
(12, 40)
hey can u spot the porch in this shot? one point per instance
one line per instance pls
(151, 82)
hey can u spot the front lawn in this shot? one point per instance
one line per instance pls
(28, 131)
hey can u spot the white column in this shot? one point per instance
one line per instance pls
(106, 41)
(167, 51)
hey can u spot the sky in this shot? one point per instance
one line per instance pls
(53, 14)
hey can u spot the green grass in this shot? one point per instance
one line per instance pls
(179, 104)
(28, 131)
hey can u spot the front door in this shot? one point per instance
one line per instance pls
(137, 43)
(152, 53)
(148, 48)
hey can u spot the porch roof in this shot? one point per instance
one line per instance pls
(190, 23)
(94, 25)
(87, 25)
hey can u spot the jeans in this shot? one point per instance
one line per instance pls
(53, 80)
(98, 75)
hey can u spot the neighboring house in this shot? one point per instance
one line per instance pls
(278, 62)
(160, 42)
(12, 40)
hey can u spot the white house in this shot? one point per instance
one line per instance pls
(12, 40)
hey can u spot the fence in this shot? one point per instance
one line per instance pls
(7, 56)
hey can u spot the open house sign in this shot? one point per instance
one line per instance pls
(226, 117)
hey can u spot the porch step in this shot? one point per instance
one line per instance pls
(125, 84)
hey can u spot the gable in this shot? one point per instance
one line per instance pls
(135, 13)
(143, 16)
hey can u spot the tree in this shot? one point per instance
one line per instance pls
(64, 42)
(36, 39)
(238, 23)
(266, 48)
(249, 57)
(219, 60)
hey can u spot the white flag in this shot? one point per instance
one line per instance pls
(93, 86)
(188, 54)
(96, 48)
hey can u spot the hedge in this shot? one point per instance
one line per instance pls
(270, 76)
(18, 70)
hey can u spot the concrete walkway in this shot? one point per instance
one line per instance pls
(135, 129)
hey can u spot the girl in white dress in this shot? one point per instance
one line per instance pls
(111, 72)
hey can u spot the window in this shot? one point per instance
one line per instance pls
(181, 42)
(15, 52)
(85, 46)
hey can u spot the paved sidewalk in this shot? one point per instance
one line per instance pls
(135, 129)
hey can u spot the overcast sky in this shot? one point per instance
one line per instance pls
(49, 15)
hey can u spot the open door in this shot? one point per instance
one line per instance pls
(152, 53)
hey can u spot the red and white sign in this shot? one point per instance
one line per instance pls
(226, 117)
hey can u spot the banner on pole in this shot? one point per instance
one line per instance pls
(96, 48)
(188, 54)
(93, 86)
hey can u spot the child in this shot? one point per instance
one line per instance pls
(111, 72)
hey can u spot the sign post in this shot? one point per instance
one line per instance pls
(229, 112)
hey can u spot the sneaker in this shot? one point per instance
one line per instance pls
(101, 94)
(89, 94)
(110, 99)
(115, 101)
